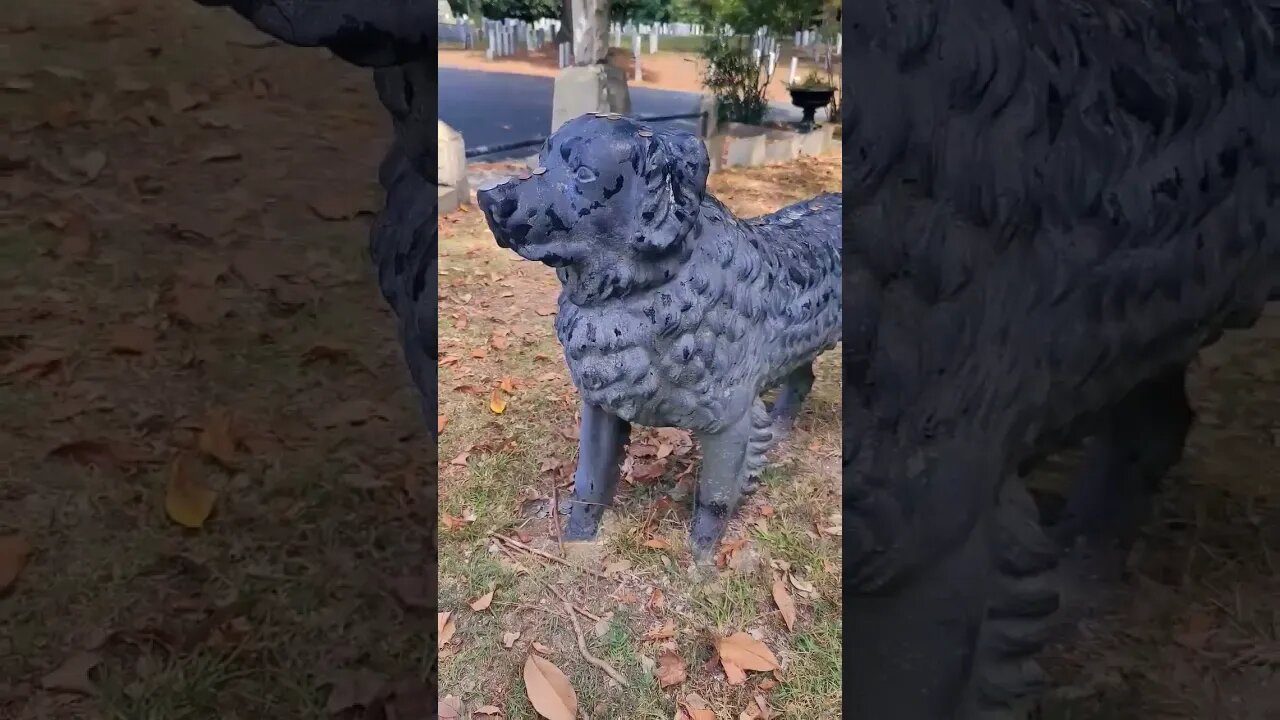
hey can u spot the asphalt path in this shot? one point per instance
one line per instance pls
(491, 108)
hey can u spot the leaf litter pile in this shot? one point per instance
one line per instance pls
(531, 627)
(216, 489)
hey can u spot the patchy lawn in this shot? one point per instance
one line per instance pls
(640, 606)
(177, 317)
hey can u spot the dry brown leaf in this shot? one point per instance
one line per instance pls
(665, 632)
(487, 710)
(90, 165)
(508, 384)
(497, 402)
(499, 342)
(352, 412)
(657, 544)
(732, 673)
(539, 647)
(73, 675)
(803, 585)
(444, 628)
(355, 689)
(132, 340)
(509, 639)
(483, 602)
(619, 566)
(671, 669)
(180, 100)
(102, 454)
(197, 305)
(449, 708)
(549, 690)
(218, 438)
(35, 362)
(746, 652)
(186, 501)
(702, 714)
(334, 205)
(480, 353)
(656, 599)
(218, 152)
(14, 551)
(441, 421)
(785, 604)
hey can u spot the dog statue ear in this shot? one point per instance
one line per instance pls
(675, 182)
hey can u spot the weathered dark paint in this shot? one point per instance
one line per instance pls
(673, 312)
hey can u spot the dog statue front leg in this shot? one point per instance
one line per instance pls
(601, 440)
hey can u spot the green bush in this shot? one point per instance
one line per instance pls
(736, 79)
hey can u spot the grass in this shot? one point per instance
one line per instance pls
(492, 470)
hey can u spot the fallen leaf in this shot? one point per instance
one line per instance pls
(499, 342)
(91, 164)
(73, 675)
(785, 604)
(508, 384)
(218, 152)
(732, 673)
(77, 238)
(444, 628)
(180, 100)
(509, 639)
(768, 684)
(665, 632)
(197, 305)
(803, 585)
(355, 689)
(549, 690)
(14, 551)
(480, 353)
(218, 439)
(656, 599)
(338, 205)
(539, 647)
(497, 402)
(35, 362)
(746, 652)
(352, 412)
(483, 602)
(657, 544)
(487, 710)
(102, 454)
(441, 421)
(617, 567)
(702, 714)
(671, 669)
(186, 501)
(132, 340)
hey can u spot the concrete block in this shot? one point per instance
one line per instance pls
(448, 199)
(813, 143)
(715, 152)
(782, 146)
(580, 90)
(745, 151)
(745, 145)
(451, 160)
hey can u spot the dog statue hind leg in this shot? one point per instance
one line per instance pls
(731, 461)
(601, 441)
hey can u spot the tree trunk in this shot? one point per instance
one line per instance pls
(565, 33)
(590, 31)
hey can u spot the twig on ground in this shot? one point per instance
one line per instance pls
(555, 515)
(582, 639)
(544, 554)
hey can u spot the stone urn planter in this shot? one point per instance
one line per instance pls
(809, 99)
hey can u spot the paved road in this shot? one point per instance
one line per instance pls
(492, 108)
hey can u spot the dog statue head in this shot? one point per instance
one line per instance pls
(609, 197)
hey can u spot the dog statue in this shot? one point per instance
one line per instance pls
(672, 312)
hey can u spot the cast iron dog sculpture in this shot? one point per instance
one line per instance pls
(1053, 206)
(397, 40)
(673, 312)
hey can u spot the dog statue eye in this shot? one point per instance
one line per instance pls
(585, 174)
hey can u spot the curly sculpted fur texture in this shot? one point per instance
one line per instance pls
(673, 312)
(1052, 202)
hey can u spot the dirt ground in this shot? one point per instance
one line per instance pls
(662, 71)
(188, 316)
(508, 412)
